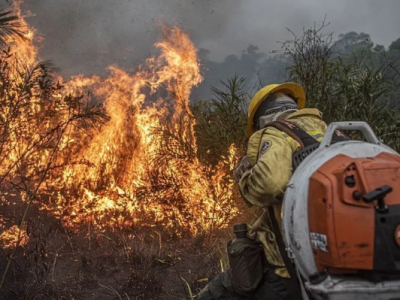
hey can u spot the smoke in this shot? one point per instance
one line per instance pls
(266, 22)
(84, 37)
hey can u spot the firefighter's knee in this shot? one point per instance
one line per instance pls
(219, 288)
(205, 294)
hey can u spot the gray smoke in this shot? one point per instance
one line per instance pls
(86, 36)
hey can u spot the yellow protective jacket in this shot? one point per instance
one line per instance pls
(270, 151)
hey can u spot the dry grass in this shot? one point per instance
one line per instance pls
(138, 264)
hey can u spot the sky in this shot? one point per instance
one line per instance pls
(86, 36)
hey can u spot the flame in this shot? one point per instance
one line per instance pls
(26, 52)
(141, 166)
(13, 236)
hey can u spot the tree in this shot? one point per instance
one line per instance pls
(10, 27)
(395, 46)
(221, 121)
(394, 49)
(353, 42)
(345, 87)
(256, 66)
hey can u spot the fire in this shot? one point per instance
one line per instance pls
(13, 236)
(26, 52)
(141, 166)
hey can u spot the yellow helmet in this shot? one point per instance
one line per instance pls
(288, 88)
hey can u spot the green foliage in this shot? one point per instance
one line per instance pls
(395, 46)
(221, 121)
(255, 65)
(357, 86)
(352, 42)
(348, 79)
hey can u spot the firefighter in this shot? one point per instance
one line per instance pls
(262, 176)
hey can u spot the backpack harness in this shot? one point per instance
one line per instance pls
(308, 144)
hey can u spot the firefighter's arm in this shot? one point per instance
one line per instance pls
(267, 179)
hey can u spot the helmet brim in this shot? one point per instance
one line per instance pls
(289, 88)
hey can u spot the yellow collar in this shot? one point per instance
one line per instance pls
(256, 138)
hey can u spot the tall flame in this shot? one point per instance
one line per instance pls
(141, 166)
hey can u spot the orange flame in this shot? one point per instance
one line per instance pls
(10, 237)
(141, 167)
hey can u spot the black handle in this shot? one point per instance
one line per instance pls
(378, 194)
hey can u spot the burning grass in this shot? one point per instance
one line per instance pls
(131, 160)
(88, 165)
(146, 263)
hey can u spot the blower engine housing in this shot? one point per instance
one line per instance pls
(341, 218)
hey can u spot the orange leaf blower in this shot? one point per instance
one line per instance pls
(341, 218)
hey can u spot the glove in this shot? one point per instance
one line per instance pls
(243, 166)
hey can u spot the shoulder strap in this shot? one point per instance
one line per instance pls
(292, 130)
(292, 283)
(302, 137)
